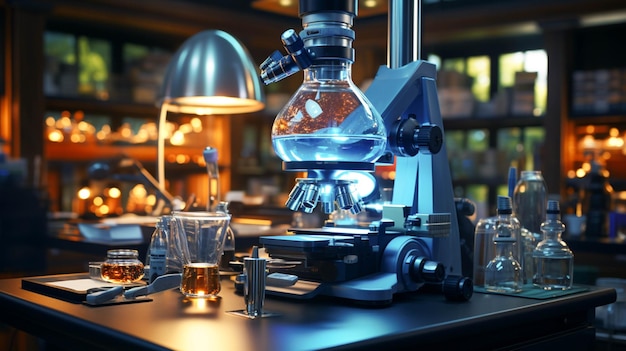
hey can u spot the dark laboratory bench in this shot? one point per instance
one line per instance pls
(417, 320)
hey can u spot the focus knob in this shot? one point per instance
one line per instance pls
(424, 270)
(429, 138)
(457, 288)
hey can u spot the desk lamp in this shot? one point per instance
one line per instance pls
(211, 73)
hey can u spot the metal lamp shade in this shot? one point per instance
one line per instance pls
(212, 73)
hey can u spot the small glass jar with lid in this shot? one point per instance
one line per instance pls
(122, 266)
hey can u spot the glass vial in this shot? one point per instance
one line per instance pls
(122, 266)
(553, 258)
(157, 251)
(504, 272)
(529, 198)
(213, 174)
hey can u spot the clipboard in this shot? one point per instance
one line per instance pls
(69, 287)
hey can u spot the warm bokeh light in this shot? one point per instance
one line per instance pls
(84, 193)
(586, 167)
(139, 191)
(182, 159)
(185, 128)
(196, 124)
(614, 141)
(98, 201)
(77, 138)
(103, 210)
(114, 192)
(125, 131)
(56, 136)
(178, 138)
(50, 121)
(64, 123)
(588, 142)
(151, 200)
(86, 127)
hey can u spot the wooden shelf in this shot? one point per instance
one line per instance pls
(599, 119)
(69, 152)
(491, 122)
(103, 106)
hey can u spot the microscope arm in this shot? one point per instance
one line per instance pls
(403, 95)
(423, 182)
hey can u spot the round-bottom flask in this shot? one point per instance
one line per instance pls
(329, 119)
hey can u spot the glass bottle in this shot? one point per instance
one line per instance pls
(122, 266)
(484, 233)
(157, 251)
(484, 248)
(553, 258)
(597, 202)
(504, 272)
(529, 198)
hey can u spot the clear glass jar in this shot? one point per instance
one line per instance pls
(122, 266)
(529, 202)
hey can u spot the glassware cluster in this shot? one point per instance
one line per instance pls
(522, 247)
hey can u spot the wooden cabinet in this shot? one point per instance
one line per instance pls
(576, 48)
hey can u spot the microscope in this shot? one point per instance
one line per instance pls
(337, 134)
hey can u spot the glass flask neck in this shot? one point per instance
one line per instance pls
(531, 175)
(504, 223)
(338, 70)
(552, 229)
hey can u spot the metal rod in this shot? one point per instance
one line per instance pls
(404, 30)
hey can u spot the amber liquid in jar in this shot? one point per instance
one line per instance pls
(200, 279)
(122, 266)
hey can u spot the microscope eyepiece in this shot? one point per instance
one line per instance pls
(312, 6)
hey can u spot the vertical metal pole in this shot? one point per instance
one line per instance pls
(404, 30)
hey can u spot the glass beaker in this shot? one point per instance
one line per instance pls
(198, 238)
